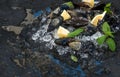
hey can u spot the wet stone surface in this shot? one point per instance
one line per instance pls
(32, 52)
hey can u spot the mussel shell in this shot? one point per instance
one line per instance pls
(64, 41)
(78, 12)
(55, 23)
(77, 22)
(75, 45)
(99, 6)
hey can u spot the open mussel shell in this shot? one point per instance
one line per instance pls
(64, 41)
(75, 45)
(55, 23)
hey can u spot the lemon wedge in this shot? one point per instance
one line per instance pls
(65, 15)
(62, 32)
(90, 3)
(97, 18)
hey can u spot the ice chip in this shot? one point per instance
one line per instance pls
(96, 35)
(47, 38)
(35, 36)
(63, 50)
(49, 45)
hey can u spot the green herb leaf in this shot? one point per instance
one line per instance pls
(111, 43)
(107, 8)
(74, 58)
(108, 5)
(106, 27)
(109, 34)
(101, 39)
(76, 32)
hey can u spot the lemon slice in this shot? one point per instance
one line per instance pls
(65, 15)
(62, 32)
(90, 3)
(97, 18)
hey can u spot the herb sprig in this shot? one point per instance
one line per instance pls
(107, 37)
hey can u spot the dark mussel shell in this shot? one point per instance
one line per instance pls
(77, 22)
(64, 41)
(55, 23)
(99, 6)
(78, 12)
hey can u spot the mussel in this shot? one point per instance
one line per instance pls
(99, 6)
(78, 12)
(64, 41)
(72, 43)
(55, 23)
(75, 45)
(77, 22)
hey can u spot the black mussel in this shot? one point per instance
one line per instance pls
(78, 12)
(99, 6)
(64, 41)
(77, 22)
(55, 23)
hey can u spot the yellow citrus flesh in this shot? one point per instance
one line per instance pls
(97, 18)
(89, 2)
(65, 15)
(62, 32)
